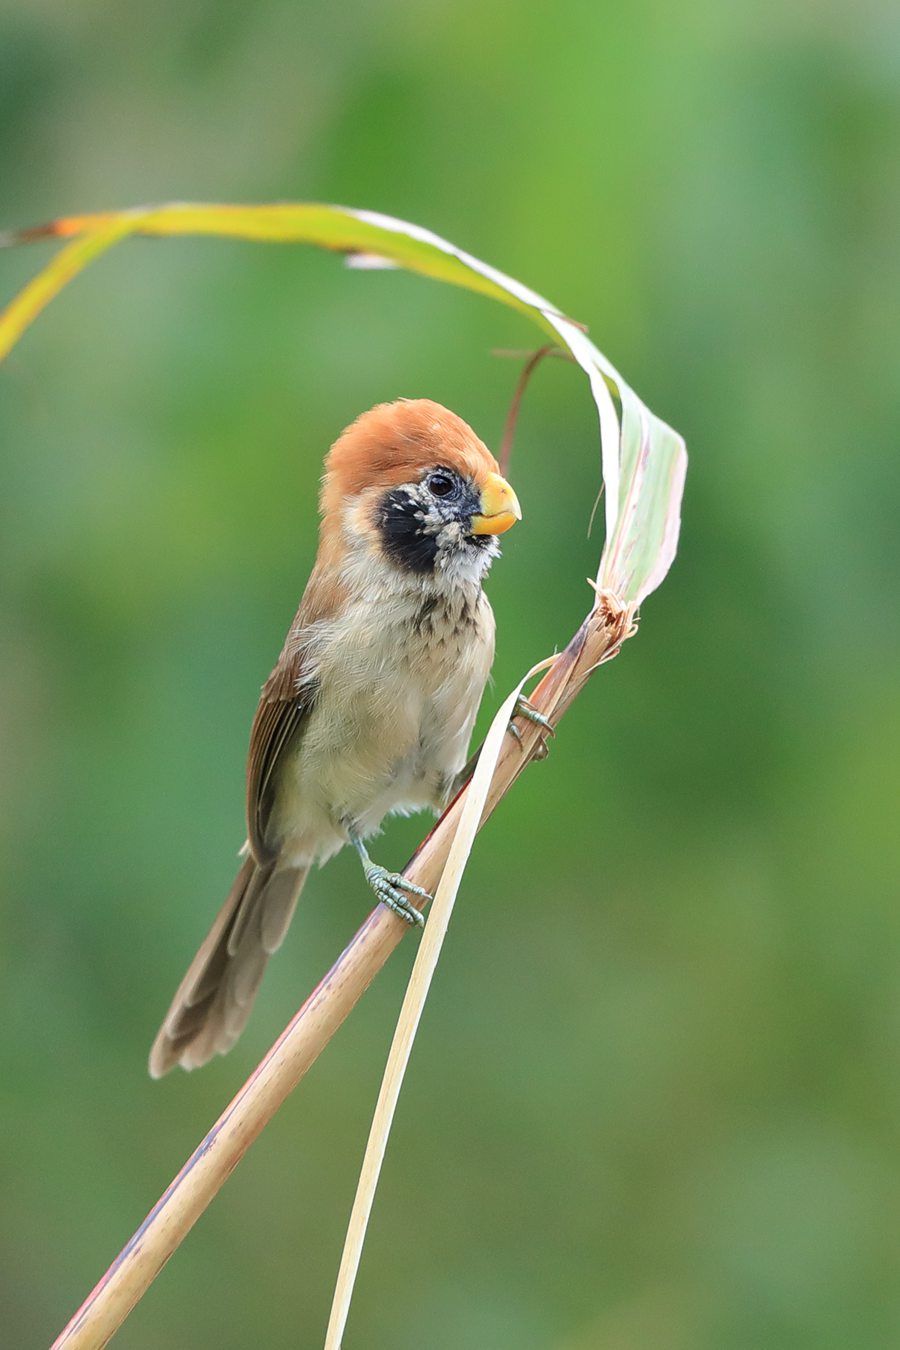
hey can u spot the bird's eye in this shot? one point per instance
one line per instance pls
(440, 484)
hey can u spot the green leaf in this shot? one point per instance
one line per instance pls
(643, 460)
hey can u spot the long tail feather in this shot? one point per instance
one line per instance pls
(213, 1001)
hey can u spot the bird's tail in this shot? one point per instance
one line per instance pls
(214, 999)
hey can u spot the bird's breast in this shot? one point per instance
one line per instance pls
(398, 686)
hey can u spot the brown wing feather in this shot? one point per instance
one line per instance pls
(286, 700)
(275, 725)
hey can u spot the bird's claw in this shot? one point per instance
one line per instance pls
(524, 708)
(527, 710)
(389, 888)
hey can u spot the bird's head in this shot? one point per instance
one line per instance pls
(412, 482)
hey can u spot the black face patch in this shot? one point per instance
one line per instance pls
(413, 520)
(402, 522)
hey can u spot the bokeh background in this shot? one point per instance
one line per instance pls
(656, 1094)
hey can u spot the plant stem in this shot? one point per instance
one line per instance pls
(126, 1281)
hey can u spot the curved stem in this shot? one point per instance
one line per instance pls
(142, 1258)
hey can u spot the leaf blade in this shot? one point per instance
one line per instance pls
(643, 460)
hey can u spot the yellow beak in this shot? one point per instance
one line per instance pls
(499, 507)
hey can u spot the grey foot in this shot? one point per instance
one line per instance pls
(389, 888)
(527, 710)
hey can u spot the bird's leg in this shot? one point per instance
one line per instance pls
(522, 709)
(389, 886)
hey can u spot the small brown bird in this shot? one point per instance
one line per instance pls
(370, 707)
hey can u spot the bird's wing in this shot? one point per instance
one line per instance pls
(287, 699)
(278, 719)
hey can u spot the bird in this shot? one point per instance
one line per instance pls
(370, 707)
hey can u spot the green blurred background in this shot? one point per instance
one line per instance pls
(656, 1094)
